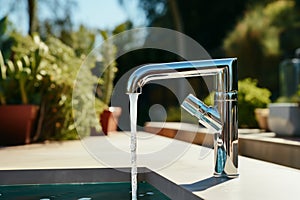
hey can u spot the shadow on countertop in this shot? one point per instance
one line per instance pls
(205, 184)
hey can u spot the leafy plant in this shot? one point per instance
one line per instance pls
(250, 96)
(43, 73)
(59, 108)
(21, 77)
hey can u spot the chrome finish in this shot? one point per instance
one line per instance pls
(208, 116)
(223, 119)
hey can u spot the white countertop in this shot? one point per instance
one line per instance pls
(186, 164)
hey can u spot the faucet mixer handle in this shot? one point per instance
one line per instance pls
(207, 115)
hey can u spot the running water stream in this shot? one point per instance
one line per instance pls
(133, 97)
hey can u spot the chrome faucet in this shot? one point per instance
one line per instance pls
(222, 119)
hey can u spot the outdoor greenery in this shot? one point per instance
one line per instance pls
(260, 33)
(262, 38)
(22, 76)
(178, 114)
(57, 75)
(43, 73)
(207, 22)
(41, 68)
(250, 96)
(293, 99)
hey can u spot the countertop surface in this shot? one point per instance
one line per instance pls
(188, 165)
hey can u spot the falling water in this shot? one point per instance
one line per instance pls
(133, 97)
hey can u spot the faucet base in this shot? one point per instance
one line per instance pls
(222, 175)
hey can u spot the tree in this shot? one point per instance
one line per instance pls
(59, 21)
(263, 37)
(60, 24)
(208, 22)
(32, 15)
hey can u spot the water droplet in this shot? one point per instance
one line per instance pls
(141, 195)
(45, 199)
(150, 193)
(85, 198)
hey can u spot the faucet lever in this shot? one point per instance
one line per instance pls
(208, 116)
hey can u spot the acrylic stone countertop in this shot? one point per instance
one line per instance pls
(191, 169)
(257, 180)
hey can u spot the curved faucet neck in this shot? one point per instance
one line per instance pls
(160, 71)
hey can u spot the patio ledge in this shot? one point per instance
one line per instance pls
(252, 142)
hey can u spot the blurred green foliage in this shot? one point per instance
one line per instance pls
(207, 22)
(22, 75)
(261, 38)
(250, 96)
(260, 33)
(43, 73)
(178, 114)
(292, 99)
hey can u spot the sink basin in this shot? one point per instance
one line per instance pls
(103, 183)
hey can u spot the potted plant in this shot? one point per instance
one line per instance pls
(253, 102)
(66, 110)
(109, 116)
(20, 80)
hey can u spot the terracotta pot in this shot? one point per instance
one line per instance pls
(16, 123)
(261, 116)
(109, 119)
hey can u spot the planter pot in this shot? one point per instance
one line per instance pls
(284, 119)
(16, 123)
(261, 116)
(109, 119)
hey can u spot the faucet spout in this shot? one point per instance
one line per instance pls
(222, 119)
(207, 116)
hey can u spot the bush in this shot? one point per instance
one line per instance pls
(57, 66)
(60, 110)
(250, 96)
